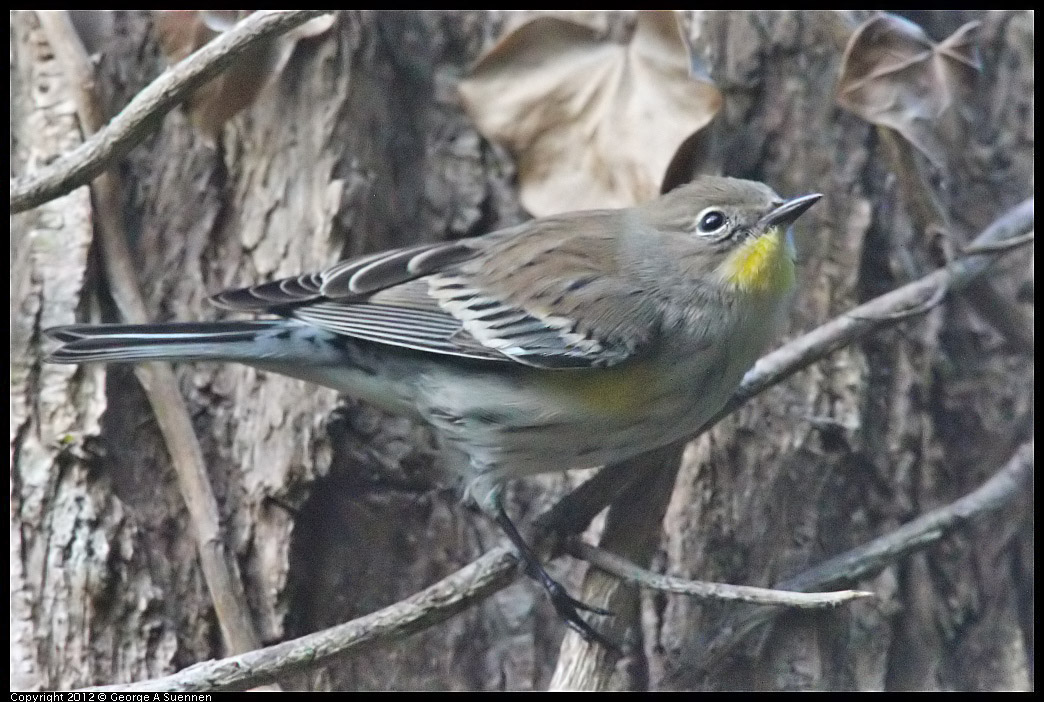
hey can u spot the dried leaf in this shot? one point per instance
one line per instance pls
(892, 75)
(592, 123)
(180, 32)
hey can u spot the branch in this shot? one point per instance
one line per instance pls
(452, 595)
(787, 595)
(161, 388)
(1006, 485)
(1011, 243)
(487, 575)
(997, 492)
(498, 568)
(142, 114)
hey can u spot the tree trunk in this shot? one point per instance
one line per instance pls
(334, 509)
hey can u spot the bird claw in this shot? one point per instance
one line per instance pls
(568, 608)
(564, 601)
(588, 633)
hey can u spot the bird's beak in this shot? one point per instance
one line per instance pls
(784, 215)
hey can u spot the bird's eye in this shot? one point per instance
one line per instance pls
(711, 222)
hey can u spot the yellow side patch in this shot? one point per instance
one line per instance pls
(761, 265)
(611, 390)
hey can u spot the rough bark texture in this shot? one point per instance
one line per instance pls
(334, 509)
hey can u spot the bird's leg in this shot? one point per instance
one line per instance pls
(565, 604)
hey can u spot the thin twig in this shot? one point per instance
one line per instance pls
(936, 299)
(498, 568)
(1006, 485)
(1003, 488)
(142, 114)
(631, 573)
(161, 388)
(1012, 243)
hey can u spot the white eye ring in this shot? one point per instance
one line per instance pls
(711, 221)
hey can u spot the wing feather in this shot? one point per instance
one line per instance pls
(512, 296)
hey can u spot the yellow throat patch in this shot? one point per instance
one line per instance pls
(762, 265)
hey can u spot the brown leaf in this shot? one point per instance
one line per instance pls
(592, 123)
(180, 32)
(892, 75)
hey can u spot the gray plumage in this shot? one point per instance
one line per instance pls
(567, 341)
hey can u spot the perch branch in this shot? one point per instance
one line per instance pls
(491, 572)
(629, 572)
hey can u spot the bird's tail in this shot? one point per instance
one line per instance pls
(191, 341)
(283, 346)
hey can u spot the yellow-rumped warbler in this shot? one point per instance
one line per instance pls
(565, 342)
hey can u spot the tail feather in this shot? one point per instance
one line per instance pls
(127, 343)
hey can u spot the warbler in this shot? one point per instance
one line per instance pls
(565, 342)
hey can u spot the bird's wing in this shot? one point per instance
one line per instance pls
(545, 294)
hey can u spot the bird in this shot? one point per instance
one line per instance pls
(568, 341)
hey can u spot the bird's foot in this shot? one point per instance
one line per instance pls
(569, 608)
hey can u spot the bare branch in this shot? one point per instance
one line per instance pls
(934, 300)
(1011, 243)
(451, 595)
(143, 113)
(455, 593)
(631, 573)
(999, 491)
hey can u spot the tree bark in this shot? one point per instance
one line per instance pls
(334, 509)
